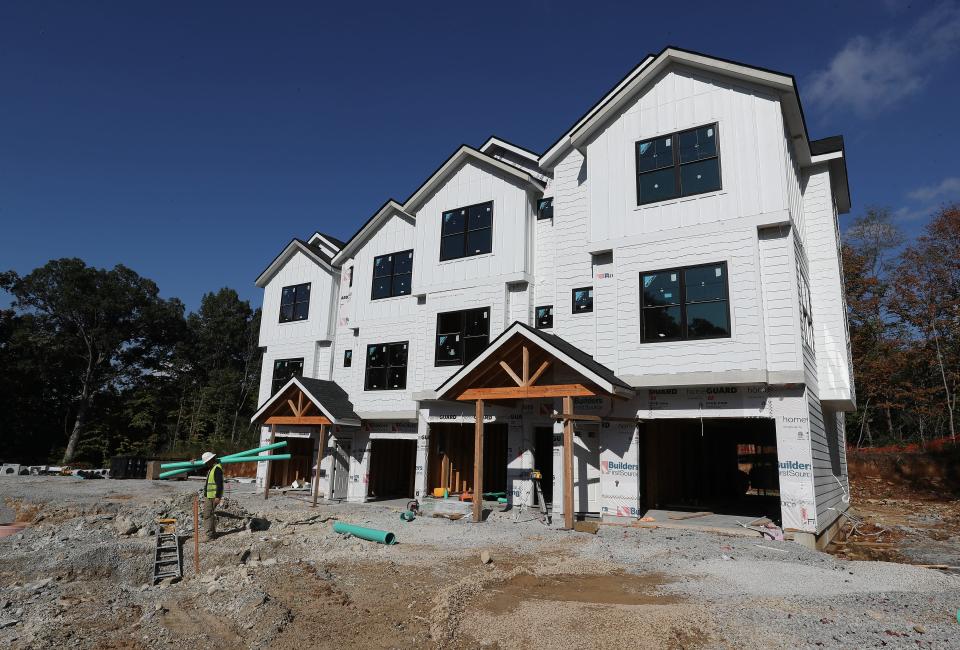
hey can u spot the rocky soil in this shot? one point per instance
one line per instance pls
(279, 577)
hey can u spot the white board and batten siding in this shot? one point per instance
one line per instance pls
(319, 324)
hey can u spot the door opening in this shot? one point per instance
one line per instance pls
(543, 460)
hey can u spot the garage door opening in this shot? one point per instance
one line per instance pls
(392, 469)
(451, 457)
(721, 466)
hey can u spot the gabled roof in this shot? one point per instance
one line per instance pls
(387, 210)
(463, 154)
(338, 243)
(494, 142)
(569, 354)
(327, 396)
(832, 151)
(329, 245)
(312, 251)
(648, 70)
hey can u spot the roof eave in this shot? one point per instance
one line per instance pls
(388, 209)
(295, 245)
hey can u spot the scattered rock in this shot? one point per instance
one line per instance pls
(919, 629)
(258, 523)
(245, 555)
(269, 561)
(877, 616)
(212, 589)
(124, 526)
(591, 527)
(8, 623)
(143, 532)
(166, 582)
(485, 557)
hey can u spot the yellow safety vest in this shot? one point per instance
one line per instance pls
(211, 481)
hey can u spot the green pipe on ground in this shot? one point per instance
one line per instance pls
(369, 534)
(408, 515)
(491, 495)
(251, 452)
(253, 459)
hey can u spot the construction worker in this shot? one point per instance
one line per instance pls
(213, 493)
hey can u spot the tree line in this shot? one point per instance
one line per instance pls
(94, 363)
(903, 303)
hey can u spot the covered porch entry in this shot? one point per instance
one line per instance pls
(302, 411)
(528, 364)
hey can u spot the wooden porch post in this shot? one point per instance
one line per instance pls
(478, 464)
(567, 463)
(266, 479)
(320, 453)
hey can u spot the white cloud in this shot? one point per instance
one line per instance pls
(873, 73)
(948, 187)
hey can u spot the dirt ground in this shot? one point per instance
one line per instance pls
(279, 577)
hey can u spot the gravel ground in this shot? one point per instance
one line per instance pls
(279, 576)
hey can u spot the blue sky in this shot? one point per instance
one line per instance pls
(191, 141)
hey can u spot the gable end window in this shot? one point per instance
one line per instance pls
(386, 366)
(465, 232)
(392, 275)
(583, 300)
(283, 370)
(685, 304)
(295, 303)
(678, 164)
(545, 208)
(461, 336)
(544, 320)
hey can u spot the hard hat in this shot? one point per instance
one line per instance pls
(207, 457)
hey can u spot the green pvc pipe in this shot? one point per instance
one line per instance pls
(174, 472)
(369, 534)
(186, 463)
(253, 459)
(501, 499)
(251, 452)
(408, 515)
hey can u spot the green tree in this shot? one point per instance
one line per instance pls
(111, 326)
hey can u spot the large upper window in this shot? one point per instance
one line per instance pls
(462, 336)
(678, 164)
(467, 231)
(295, 303)
(392, 275)
(686, 303)
(386, 366)
(283, 370)
(582, 300)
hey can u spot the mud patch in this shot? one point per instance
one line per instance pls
(606, 589)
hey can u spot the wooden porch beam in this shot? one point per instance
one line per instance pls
(321, 452)
(542, 369)
(310, 420)
(506, 367)
(478, 464)
(266, 478)
(526, 366)
(575, 417)
(568, 464)
(526, 392)
(293, 408)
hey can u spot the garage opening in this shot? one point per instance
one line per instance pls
(451, 457)
(722, 466)
(543, 461)
(392, 469)
(300, 466)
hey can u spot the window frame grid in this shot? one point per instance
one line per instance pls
(293, 305)
(573, 300)
(536, 317)
(677, 164)
(466, 231)
(683, 302)
(393, 275)
(273, 376)
(462, 360)
(387, 366)
(541, 200)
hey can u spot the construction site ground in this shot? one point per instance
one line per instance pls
(279, 577)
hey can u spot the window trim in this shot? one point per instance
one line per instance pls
(294, 303)
(677, 165)
(366, 365)
(273, 374)
(683, 303)
(541, 200)
(573, 300)
(373, 275)
(466, 229)
(437, 362)
(348, 358)
(536, 319)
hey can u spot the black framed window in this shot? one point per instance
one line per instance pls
(545, 208)
(678, 164)
(347, 358)
(283, 370)
(583, 300)
(386, 366)
(461, 336)
(295, 303)
(468, 231)
(544, 320)
(392, 275)
(685, 303)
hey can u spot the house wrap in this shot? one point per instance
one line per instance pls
(678, 245)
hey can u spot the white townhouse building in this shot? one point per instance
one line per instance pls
(653, 307)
